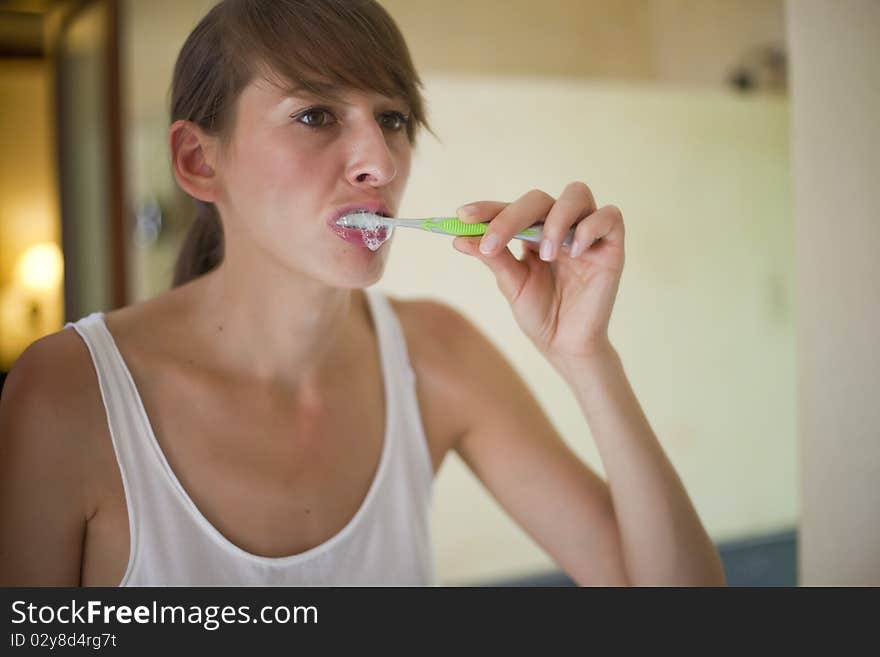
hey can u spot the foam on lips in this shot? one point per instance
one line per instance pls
(372, 228)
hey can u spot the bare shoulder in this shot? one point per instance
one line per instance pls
(437, 335)
(51, 396)
(51, 376)
(45, 450)
(456, 364)
(430, 318)
(450, 342)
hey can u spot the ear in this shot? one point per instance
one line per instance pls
(193, 157)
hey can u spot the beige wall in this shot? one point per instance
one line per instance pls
(678, 42)
(835, 83)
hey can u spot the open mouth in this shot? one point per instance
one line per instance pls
(362, 219)
(363, 229)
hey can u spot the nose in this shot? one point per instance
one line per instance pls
(372, 162)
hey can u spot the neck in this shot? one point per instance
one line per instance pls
(278, 329)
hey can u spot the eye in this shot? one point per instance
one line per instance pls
(308, 120)
(395, 121)
(318, 117)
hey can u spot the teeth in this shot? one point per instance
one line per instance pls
(358, 216)
(354, 212)
(366, 221)
(345, 218)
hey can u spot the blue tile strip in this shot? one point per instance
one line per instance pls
(766, 560)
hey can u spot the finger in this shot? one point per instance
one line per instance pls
(575, 203)
(531, 247)
(510, 273)
(478, 211)
(605, 223)
(517, 216)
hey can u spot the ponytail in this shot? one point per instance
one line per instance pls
(202, 248)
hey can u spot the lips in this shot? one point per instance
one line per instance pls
(376, 207)
(353, 235)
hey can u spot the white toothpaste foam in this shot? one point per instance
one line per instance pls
(370, 225)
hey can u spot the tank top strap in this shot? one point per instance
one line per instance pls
(125, 420)
(393, 341)
(117, 388)
(402, 379)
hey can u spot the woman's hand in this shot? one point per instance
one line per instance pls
(562, 300)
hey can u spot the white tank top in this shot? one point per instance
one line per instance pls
(386, 543)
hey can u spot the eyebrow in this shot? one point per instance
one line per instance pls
(329, 92)
(318, 90)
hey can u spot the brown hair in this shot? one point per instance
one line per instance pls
(319, 45)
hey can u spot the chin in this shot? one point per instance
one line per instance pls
(361, 282)
(352, 277)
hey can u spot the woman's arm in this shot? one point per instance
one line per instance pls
(638, 529)
(642, 528)
(42, 509)
(663, 540)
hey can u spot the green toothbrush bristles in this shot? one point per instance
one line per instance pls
(453, 226)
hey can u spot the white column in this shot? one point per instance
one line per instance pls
(835, 103)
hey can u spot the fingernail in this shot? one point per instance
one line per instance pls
(488, 243)
(466, 210)
(575, 249)
(547, 250)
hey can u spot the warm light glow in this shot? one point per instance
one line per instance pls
(41, 267)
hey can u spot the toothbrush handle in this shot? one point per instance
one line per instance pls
(454, 226)
(535, 232)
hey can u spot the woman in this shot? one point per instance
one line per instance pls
(270, 420)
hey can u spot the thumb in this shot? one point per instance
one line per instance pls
(510, 273)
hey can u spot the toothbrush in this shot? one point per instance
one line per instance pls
(442, 225)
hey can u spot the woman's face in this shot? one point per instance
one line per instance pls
(293, 163)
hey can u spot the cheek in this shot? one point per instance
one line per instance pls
(404, 163)
(270, 166)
